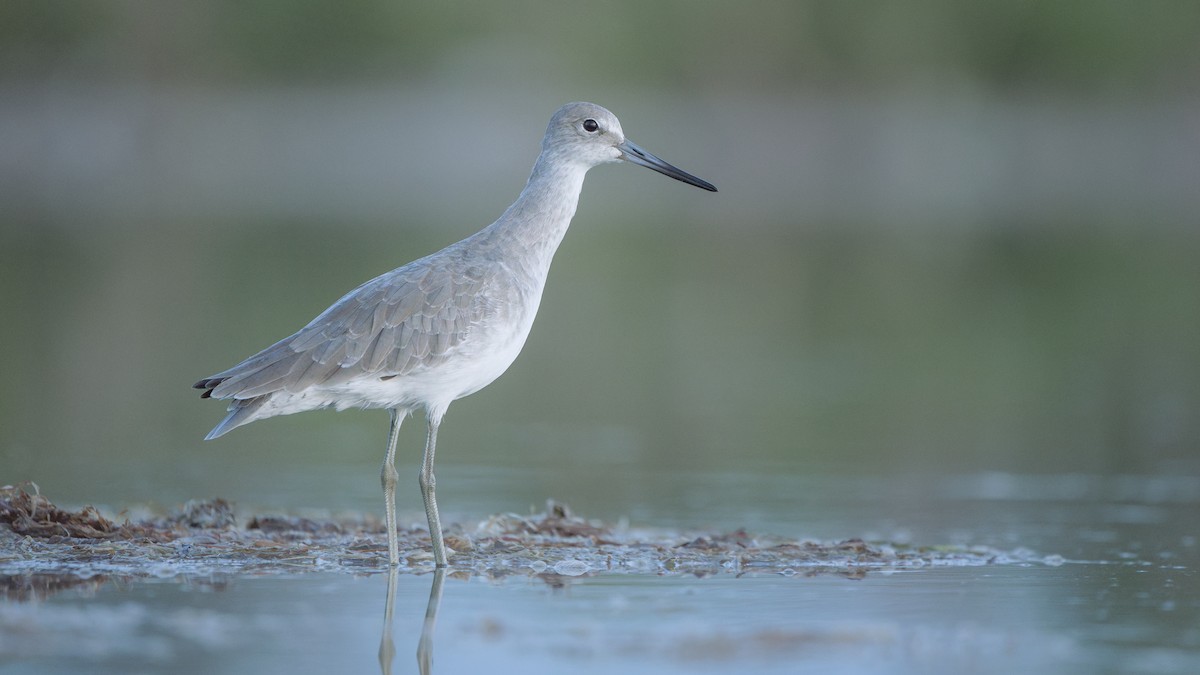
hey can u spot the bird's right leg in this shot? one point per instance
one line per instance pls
(428, 486)
(389, 477)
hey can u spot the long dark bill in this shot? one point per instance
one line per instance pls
(631, 152)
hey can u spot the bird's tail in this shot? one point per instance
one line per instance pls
(241, 411)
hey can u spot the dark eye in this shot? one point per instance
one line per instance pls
(590, 126)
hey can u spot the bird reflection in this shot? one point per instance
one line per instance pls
(387, 646)
(425, 645)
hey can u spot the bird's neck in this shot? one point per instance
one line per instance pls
(536, 223)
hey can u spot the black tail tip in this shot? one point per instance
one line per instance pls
(207, 384)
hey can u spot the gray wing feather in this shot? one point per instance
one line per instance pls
(409, 318)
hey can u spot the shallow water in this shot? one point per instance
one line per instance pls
(805, 380)
(1010, 619)
(1102, 578)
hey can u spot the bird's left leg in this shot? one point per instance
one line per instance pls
(388, 477)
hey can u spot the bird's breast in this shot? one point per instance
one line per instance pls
(484, 354)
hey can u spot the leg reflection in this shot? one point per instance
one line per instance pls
(425, 646)
(387, 648)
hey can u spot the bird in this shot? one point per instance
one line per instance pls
(441, 327)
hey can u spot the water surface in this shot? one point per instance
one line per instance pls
(1099, 575)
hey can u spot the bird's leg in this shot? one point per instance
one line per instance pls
(388, 477)
(427, 486)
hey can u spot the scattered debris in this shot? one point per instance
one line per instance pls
(31, 514)
(44, 548)
(208, 514)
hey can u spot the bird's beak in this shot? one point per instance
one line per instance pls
(630, 152)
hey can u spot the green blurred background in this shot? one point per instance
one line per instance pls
(951, 237)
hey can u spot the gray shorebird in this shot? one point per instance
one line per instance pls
(441, 327)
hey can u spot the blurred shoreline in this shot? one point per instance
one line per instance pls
(907, 158)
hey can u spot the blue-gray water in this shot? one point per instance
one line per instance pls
(1109, 584)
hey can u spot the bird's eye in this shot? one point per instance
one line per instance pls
(590, 126)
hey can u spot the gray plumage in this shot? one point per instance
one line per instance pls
(441, 327)
(411, 319)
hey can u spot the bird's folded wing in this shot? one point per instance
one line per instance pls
(411, 318)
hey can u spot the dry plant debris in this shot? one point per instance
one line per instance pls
(45, 547)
